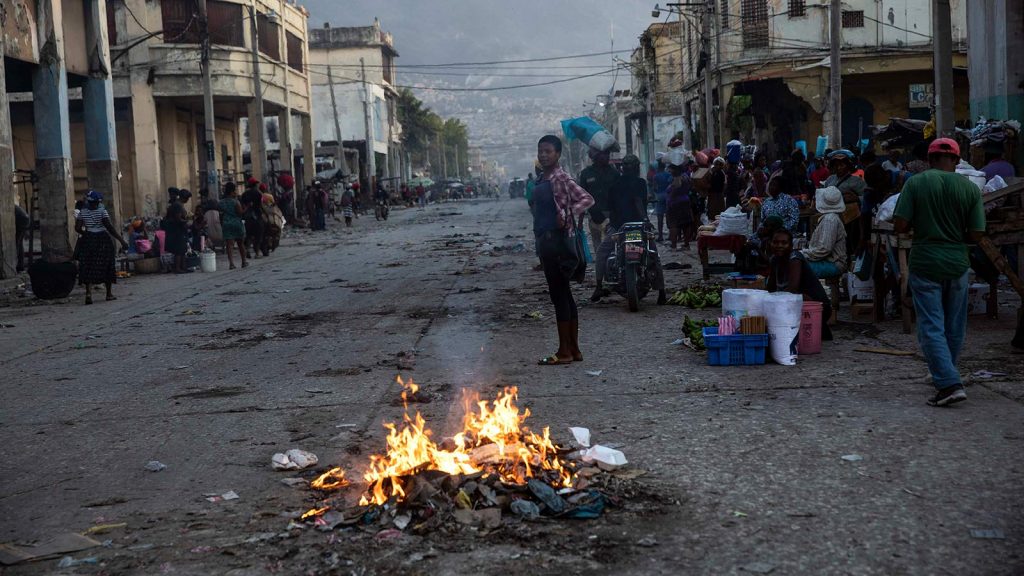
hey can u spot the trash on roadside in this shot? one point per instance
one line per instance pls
(525, 509)
(679, 341)
(69, 562)
(604, 455)
(215, 497)
(13, 553)
(758, 567)
(104, 528)
(155, 466)
(647, 542)
(582, 436)
(293, 459)
(594, 372)
(853, 457)
(985, 374)
(989, 534)
(292, 482)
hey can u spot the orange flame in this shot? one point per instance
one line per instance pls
(333, 479)
(315, 512)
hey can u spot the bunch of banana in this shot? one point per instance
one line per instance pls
(693, 330)
(698, 297)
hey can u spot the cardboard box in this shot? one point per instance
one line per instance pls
(977, 298)
(862, 313)
(860, 290)
(750, 283)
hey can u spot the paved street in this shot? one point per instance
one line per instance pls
(213, 373)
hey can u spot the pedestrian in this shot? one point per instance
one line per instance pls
(95, 247)
(559, 204)
(662, 181)
(678, 210)
(598, 180)
(316, 206)
(841, 165)
(348, 200)
(421, 195)
(286, 185)
(175, 227)
(735, 183)
(22, 222)
(231, 224)
(945, 213)
(252, 210)
(716, 191)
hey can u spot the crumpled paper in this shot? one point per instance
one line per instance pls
(293, 459)
(602, 454)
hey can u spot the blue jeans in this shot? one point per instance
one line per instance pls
(941, 324)
(824, 269)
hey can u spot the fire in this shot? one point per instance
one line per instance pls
(493, 439)
(315, 512)
(333, 479)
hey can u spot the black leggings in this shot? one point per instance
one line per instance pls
(559, 290)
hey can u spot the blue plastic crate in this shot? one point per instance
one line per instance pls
(735, 350)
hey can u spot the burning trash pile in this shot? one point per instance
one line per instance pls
(495, 464)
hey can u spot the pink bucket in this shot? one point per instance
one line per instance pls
(810, 329)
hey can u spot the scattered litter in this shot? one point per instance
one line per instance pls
(853, 457)
(525, 509)
(738, 514)
(69, 562)
(758, 567)
(182, 367)
(402, 520)
(582, 436)
(317, 391)
(886, 351)
(594, 372)
(61, 544)
(546, 494)
(676, 266)
(345, 426)
(985, 374)
(604, 455)
(214, 497)
(389, 534)
(679, 341)
(647, 542)
(155, 466)
(103, 528)
(536, 315)
(293, 459)
(990, 534)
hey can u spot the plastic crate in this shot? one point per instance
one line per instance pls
(735, 350)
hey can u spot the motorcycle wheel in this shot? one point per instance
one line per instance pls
(632, 290)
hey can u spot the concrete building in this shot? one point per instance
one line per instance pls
(359, 61)
(52, 48)
(153, 130)
(770, 68)
(657, 109)
(997, 77)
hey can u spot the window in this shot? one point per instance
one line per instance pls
(797, 8)
(294, 45)
(181, 22)
(754, 21)
(725, 14)
(269, 40)
(853, 18)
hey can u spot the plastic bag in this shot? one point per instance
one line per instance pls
(864, 265)
(587, 255)
(996, 183)
(886, 210)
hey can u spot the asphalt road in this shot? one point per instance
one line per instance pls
(211, 374)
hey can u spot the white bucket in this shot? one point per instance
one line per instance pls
(783, 312)
(782, 342)
(741, 302)
(208, 261)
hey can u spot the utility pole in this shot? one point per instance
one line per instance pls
(722, 104)
(682, 82)
(210, 128)
(709, 105)
(444, 154)
(942, 49)
(339, 151)
(371, 161)
(257, 144)
(836, 75)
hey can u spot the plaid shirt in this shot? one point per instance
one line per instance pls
(568, 196)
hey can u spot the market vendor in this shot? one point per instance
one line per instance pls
(789, 271)
(852, 186)
(826, 252)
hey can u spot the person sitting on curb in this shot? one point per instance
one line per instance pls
(826, 252)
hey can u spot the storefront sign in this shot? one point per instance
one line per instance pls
(922, 95)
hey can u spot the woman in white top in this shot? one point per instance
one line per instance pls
(95, 247)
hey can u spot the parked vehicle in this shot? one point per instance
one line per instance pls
(517, 188)
(631, 269)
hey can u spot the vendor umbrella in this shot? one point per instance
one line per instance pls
(421, 181)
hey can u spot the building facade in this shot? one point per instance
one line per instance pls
(354, 82)
(997, 76)
(769, 67)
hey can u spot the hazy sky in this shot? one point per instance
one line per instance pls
(447, 31)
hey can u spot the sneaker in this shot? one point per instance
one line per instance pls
(947, 396)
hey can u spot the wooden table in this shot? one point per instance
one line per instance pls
(884, 235)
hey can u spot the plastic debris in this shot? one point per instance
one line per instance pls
(69, 562)
(679, 341)
(214, 497)
(647, 542)
(546, 494)
(758, 567)
(985, 374)
(991, 534)
(293, 459)
(604, 455)
(402, 520)
(853, 457)
(582, 436)
(594, 372)
(525, 509)
(104, 528)
(155, 466)
(586, 505)
(13, 553)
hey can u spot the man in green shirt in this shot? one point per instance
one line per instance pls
(945, 212)
(599, 179)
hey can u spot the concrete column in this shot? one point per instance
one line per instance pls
(8, 249)
(98, 104)
(257, 146)
(53, 135)
(145, 145)
(284, 136)
(308, 152)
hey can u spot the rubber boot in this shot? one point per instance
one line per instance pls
(574, 340)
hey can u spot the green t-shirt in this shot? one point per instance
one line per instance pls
(941, 207)
(599, 183)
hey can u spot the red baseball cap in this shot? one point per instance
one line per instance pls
(944, 146)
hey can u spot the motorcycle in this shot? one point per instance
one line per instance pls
(380, 211)
(631, 269)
